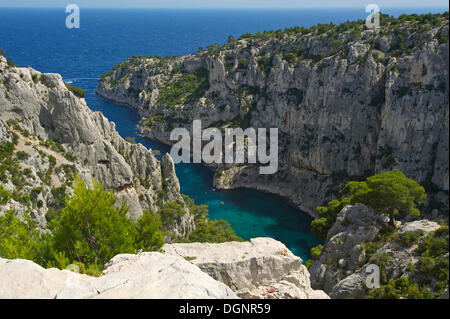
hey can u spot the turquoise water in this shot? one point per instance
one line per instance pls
(251, 213)
(38, 38)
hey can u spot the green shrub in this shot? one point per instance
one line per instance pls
(265, 63)
(387, 193)
(210, 231)
(35, 78)
(315, 255)
(148, 236)
(213, 231)
(5, 195)
(432, 250)
(76, 91)
(91, 228)
(327, 217)
(21, 155)
(21, 239)
(170, 212)
(400, 288)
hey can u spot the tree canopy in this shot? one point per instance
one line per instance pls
(387, 193)
(88, 232)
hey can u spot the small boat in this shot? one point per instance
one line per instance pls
(222, 203)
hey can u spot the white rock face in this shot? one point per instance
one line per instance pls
(41, 104)
(259, 268)
(147, 275)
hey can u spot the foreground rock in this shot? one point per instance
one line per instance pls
(147, 275)
(259, 268)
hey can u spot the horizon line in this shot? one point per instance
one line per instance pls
(221, 8)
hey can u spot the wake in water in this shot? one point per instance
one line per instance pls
(71, 81)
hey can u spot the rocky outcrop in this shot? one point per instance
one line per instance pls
(342, 267)
(147, 275)
(342, 254)
(347, 103)
(259, 268)
(50, 122)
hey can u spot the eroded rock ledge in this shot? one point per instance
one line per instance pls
(259, 268)
(148, 275)
(340, 270)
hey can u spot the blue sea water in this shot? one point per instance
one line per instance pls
(39, 38)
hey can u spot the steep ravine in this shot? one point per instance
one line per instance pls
(348, 102)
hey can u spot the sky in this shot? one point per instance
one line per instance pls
(195, 4)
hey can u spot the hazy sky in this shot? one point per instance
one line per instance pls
(223, 3)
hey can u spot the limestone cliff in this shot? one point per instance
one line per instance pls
(47, 133)
(348, 102)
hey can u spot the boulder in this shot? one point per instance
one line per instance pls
(259, 268)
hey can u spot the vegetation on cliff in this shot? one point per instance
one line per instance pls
(76, 90)
(432, 269)
(92, 228)
(89, 231)
(306, 81)
(389, 193)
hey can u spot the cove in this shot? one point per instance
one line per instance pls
(251, 213)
